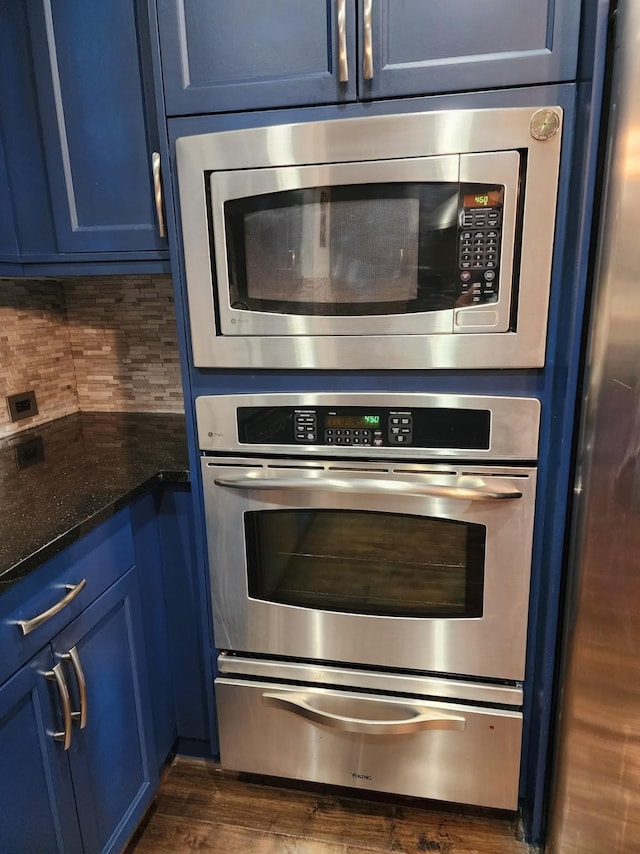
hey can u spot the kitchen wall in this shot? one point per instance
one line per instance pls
(105, 344)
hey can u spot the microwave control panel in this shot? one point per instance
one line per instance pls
(420, 427)
(479, 238)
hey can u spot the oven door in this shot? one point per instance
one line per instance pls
(391, 565)
(412, 246)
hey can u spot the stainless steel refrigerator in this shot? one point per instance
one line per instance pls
(596, 796)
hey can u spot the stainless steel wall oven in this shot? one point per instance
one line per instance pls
(429, 234)
(370, 563)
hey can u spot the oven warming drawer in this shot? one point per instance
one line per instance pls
(382, 742)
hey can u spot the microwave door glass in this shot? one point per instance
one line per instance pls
(350, 251)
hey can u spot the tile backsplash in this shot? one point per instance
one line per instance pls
(98, 344)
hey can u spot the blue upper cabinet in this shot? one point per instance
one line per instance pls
(460, 45)
(219, 56)
(79, 128)
(8, 241)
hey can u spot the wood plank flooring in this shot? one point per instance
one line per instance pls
(201, 808)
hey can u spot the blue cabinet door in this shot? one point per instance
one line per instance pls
(37, 806)
(98, 126)
(461, 45)
(112, 757)
(219, 56)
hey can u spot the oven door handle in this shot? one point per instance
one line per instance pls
(410, 718)
(466, 489)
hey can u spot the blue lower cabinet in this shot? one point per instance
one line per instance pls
(76, 734)
(174, 618)
(37, 804)
(112, 762)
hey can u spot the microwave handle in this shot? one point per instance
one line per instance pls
(343, 59)
(477, 490)
(414, 719)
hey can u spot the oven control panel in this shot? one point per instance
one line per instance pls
(428, 427)
(354, 429)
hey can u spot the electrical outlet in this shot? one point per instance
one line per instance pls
(30, 452)
(22, 405)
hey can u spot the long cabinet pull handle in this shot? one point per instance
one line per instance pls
(74, 658)
(473, 490)
(367, 61)
(28, 626)
(157, 191)
(343, 59)
(410, 718)
(58, 677)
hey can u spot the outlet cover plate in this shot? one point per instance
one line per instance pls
(22, 405)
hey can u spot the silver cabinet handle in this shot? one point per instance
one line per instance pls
(58, 676)
(410, 718)
(367, 61)
(157, 190)
(343, 60)
(470, 489)
(28, 626)
(74, 658)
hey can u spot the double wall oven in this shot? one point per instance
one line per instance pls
(370, 563)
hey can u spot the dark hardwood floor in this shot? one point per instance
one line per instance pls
(199, 807)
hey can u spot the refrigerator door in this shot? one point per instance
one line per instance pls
(596, 803)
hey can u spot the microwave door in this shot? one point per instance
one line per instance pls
(340, 249)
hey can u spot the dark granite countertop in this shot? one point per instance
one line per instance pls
(77, 471)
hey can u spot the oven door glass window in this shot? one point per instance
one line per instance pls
(357, 250)
(359, 562)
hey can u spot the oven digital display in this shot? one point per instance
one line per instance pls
(362, 422)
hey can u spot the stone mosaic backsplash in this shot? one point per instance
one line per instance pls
(98, 344)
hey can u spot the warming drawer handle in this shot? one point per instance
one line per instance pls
(415, 718)
(474, 491)
(28, 626)
(343, 60)
(74, 658)
(368, 40)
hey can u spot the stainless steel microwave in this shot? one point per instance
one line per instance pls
(418, 240)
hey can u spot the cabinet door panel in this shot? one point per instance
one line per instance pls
(37, 809)
(88, 75)
(460, 45)
(8, 242)
(113, 776)
(247, 54)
